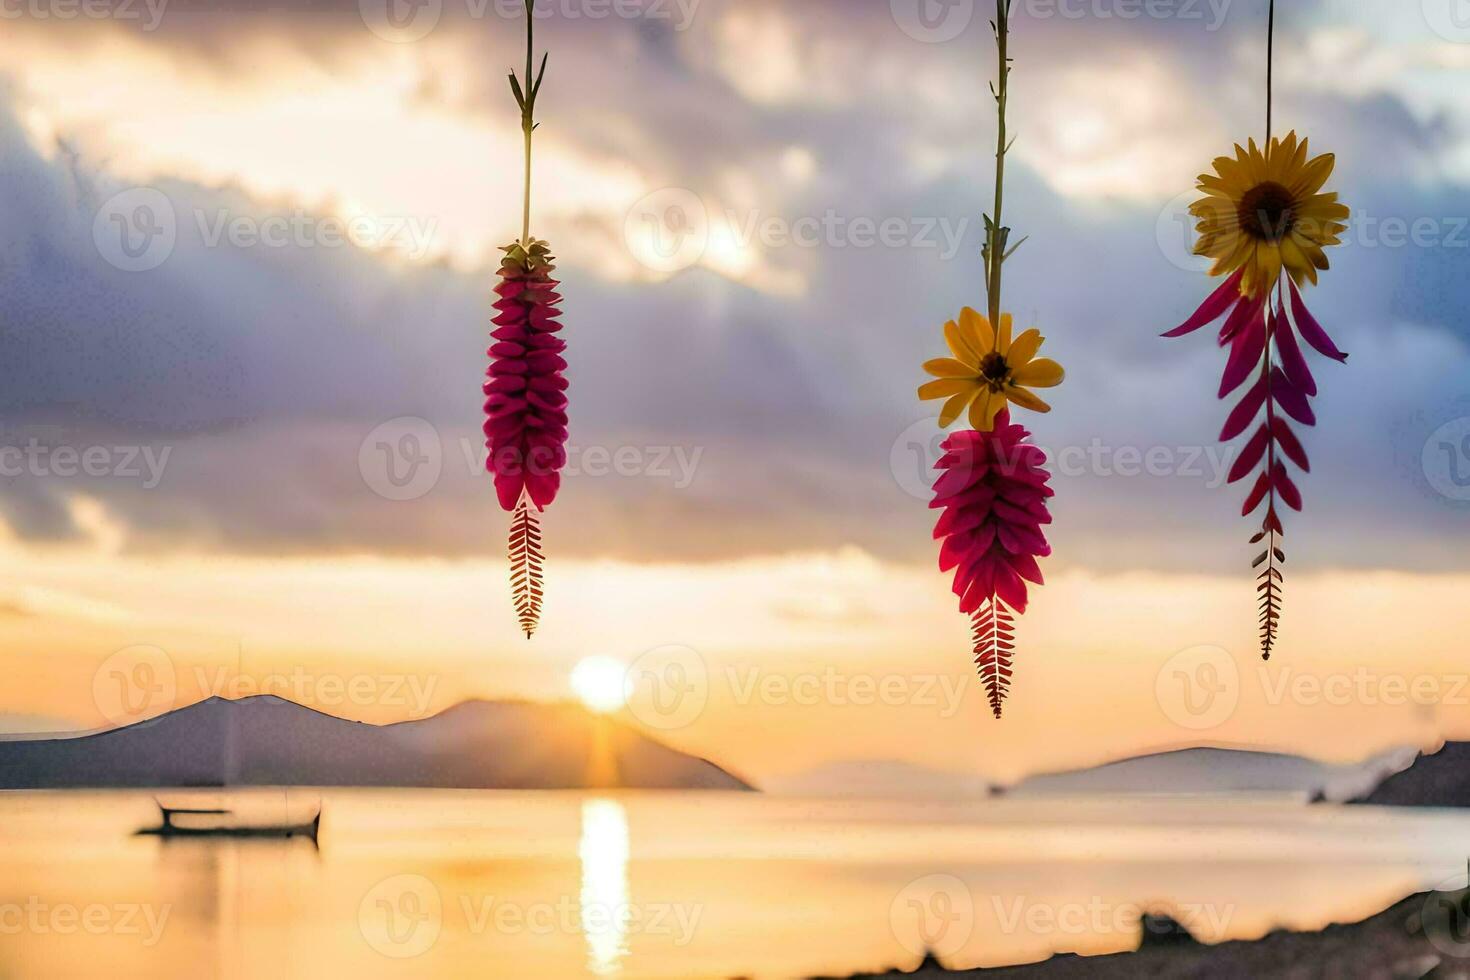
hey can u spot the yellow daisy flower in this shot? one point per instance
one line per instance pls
(988, 371)
(1265, 212)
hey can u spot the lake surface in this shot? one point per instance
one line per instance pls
(449, 884)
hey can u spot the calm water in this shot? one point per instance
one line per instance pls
(448, 884)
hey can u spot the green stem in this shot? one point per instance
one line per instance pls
(526, 213)
(996, 233)
(527, 121)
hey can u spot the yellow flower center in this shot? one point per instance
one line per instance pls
(1267, 212)
(995, 370)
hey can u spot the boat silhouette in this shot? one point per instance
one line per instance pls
(168, 829)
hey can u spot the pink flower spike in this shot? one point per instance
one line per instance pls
(526, 403)
(1245, 412)
(1212, 308)
(1311, 330)
(1245, 356)
(1246, 311)
(991, 533)
(1292, 401)
(1292, 360)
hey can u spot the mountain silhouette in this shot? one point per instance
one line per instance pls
(271, 741)
(1208, 769)
(1438, 778)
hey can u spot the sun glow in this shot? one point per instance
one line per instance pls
(599, 683)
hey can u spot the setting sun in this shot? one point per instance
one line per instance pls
(598, 683)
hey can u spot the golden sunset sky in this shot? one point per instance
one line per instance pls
(311, 519)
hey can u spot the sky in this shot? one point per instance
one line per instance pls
(245, 262)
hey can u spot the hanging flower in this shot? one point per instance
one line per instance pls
(525, 392)
(993, 492)
(525, 396)
(992, 488)
(525, 412)
(1263, 215)
(988, 371)
(1264, 212)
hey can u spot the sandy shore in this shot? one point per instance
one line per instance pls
(1424, 936)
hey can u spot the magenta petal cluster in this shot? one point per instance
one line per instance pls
(1264, 336)
(525, 391)
(1283, 388)
(993, 491)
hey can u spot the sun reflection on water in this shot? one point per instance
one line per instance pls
(604, 900)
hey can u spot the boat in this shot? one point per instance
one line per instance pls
(168, 829)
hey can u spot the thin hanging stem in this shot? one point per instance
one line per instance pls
(1270, 65)
(527, 125)
(994, 252)
(526, 99)
(1002, 36)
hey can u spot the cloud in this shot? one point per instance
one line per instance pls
(762, 400)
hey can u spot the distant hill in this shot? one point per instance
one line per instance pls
(270, 741)
(1438, 778)
(1184, 771)
(1215, 770)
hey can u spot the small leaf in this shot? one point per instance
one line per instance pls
(1257, 494)
(1289, 443)
(540, 75)
(1245, 412)
(1250, 456)
(993, 629)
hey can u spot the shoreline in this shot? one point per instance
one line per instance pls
(1426, 934)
